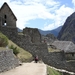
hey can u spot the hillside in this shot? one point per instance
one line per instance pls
(54, 31)
(23, 55)
(67, 32)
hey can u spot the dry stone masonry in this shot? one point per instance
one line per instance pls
(7, 60)
(30, 41)
(33, 33)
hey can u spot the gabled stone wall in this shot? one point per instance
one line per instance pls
(7, 16)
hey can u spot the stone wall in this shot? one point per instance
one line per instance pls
(7, 16)
(11, 33)
(55, 59)
(24, 41)
(7, 60)
(30, 41)
(70, 56)
(33, 33)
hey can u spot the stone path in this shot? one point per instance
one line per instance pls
(28, 69)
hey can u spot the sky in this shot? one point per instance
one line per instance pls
(41, 14)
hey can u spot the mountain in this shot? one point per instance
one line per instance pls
(54, 32)
(19, 30)
(67, 32)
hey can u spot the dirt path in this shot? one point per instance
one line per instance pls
(28, 69)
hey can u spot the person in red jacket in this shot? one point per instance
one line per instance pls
(36, 58)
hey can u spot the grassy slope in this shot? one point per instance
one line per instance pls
(51, 71)
(23, 55)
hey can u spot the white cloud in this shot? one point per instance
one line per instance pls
(2, 1)
(61, 15)
(31, 10)
(26, 10)
(73, 1)
(48, 27)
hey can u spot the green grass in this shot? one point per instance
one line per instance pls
(20, 33)
(53, 50)
(3, 40)
(23, 55)
(51, 71)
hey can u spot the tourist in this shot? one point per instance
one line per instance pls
(36, 58)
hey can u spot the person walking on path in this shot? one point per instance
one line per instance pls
(36, 58)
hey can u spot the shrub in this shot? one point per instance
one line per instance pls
(15, 49)
(3, 40)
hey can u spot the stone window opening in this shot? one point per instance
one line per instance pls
(5, 23)
(5, 16)
(73, 54)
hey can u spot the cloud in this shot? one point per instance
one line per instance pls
(61, 15)
(2, 1)
(73, 1)
(26, 10)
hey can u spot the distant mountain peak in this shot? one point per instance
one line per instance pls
(67, 32)
(54, 31)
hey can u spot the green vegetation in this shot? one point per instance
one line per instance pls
(3, 40)
(20, 33)
(23, 55)
(53, 50)
(15, 49)
(51, 71)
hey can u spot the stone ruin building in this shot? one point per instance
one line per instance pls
(7, 21)
(29, 40)
(33, 33)
(8, 25)
(7, 18)
(68, 47)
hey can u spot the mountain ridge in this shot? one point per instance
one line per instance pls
(54, 31)
(67, 33)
